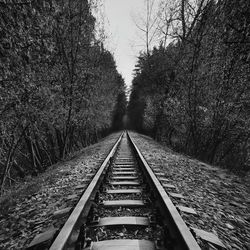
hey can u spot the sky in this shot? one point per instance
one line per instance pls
(123, 35)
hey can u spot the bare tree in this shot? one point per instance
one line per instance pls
(147, 24)
(166, 14)
(178, 18)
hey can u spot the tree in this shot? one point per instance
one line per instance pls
(58, 85)
(147, 24)
(195, 91)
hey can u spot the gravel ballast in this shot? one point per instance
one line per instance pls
(44, 202)
(220, 198)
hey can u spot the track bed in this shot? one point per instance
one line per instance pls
(127, 206)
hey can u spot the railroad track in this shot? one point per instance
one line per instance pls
(125, 207)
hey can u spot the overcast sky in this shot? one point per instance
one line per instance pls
(124, 40)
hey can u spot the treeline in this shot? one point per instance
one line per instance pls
(58, 84)
(193, 93)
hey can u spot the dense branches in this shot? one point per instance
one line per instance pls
(196, 90)
(58, 85)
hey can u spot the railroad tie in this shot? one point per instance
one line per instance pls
(124, 183)
(124, 169)
(124, 177)
(122, 220)
(123, 245)
(124, 203)
(124, 172)
(124, 191)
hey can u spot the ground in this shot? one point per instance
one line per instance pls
(28, 209)
(220, 198)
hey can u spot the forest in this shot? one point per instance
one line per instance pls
(59, 86)
(60, 89)
(191, 92)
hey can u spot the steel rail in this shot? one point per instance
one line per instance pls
(183, 237)
(65, 233)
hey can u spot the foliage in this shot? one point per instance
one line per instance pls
(196, 90)
(58, 84)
